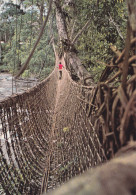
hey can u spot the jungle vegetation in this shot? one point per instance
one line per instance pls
(93, 29)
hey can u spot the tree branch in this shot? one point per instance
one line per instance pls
(72, 31)
(36, 43)
(115, 50)
(117, 27)
(81, 31)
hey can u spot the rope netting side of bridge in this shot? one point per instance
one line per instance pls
(59, 129)
(25, 122)
(45, 141)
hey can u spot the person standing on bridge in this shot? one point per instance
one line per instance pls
(60, 70)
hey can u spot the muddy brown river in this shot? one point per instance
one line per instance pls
(8, 86)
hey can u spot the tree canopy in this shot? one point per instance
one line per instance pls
(103, 23)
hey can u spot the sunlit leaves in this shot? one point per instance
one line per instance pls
(93, 45)
(25, 29)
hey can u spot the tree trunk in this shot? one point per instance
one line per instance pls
(132, 14)
(73, 62)
(131, 29)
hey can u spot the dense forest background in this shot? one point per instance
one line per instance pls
(20, 22)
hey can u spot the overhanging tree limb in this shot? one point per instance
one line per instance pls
(81, 31)
(36, 43)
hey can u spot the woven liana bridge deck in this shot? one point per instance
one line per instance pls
(59, 129)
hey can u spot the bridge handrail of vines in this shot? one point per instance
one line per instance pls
(60, 129)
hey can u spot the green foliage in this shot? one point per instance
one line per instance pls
(26, 74)
(3, 68)
(22, 31)
(45, 72)
(108, 19)
(11, 10)
(108, 23)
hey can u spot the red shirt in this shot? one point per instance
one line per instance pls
(60, 66)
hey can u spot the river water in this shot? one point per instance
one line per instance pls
(8, 86)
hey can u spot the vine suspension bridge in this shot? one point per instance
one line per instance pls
(60, 129)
